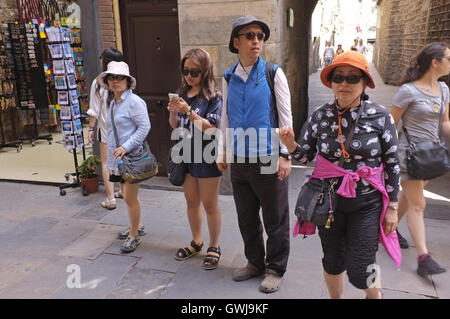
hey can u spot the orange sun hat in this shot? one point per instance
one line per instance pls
(348, 58)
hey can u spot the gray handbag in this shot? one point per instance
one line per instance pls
(136, 167)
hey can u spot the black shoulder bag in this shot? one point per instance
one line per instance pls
(176, 171)
(317, 199)
(427, 159)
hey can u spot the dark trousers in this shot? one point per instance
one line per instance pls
(352, 241)
(252, 191)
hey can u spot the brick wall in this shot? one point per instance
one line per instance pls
(106, 15)
(405, 27)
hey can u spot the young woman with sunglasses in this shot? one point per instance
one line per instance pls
(367, 183)
(98, 106)
(198, 110)
(418, 104)
(132, 124)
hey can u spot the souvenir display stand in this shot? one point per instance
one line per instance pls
(8, 96)
(65, 82)
(31, 83)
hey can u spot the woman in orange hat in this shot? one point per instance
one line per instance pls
(365, 172)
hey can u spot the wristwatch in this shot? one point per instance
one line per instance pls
(286, 156)
(189, 112)
(394, 206)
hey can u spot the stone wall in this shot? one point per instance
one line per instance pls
(405, 27)
(8, 11)
(208, 23)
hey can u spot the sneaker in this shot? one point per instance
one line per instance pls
(271, 283)
(124, 234)
(247, 272)
(427, 266)
(402, 241)
(130, 244)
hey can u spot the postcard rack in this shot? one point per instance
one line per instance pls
(66, 88)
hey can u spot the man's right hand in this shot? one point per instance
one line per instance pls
(221, 163)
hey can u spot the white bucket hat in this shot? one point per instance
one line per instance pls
(117, 68)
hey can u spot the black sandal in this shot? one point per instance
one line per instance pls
(187, 253)
(211, 261)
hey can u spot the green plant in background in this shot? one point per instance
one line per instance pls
(89, 166)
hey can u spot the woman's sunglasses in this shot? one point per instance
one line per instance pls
(111, 77)
(194, 72)
(252, 35)
(351, 79)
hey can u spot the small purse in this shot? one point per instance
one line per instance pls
(316, 202)
(175, 171)
(427, 159)
(136, 167)
(317, 199)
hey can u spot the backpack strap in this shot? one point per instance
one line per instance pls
(228, 76)
(271, 70)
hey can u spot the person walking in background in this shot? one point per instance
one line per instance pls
(198, 109)
(418, 104)
(339, 49)
(133, 125)
(98, 110)
(250, 103)
(354, 47)
(361, 47)
(366, 200)
(328, 53)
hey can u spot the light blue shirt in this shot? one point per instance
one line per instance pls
(132, 124)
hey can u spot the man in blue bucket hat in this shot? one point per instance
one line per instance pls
(256, 101)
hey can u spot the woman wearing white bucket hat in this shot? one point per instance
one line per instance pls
(132, 123)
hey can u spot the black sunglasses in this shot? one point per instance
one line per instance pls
(252, 35)
(194, 72)
(351, 79)
(111, 77)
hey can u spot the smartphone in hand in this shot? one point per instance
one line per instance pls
(174, 96)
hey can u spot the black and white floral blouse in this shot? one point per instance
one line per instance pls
(374, 142)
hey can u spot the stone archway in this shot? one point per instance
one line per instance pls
(298, 58)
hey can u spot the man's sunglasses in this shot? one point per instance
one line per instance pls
(351, 79)
(111, 77)
(194, 72)
(252, 35)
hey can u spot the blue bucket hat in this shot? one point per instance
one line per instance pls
(243, 22)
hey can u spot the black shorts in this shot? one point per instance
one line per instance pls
(116, 179)
(352, 241)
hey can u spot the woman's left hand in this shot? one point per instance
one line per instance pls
(390, 221)
(119, 152)
(180, 105)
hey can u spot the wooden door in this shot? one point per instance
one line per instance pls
(151, 46)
